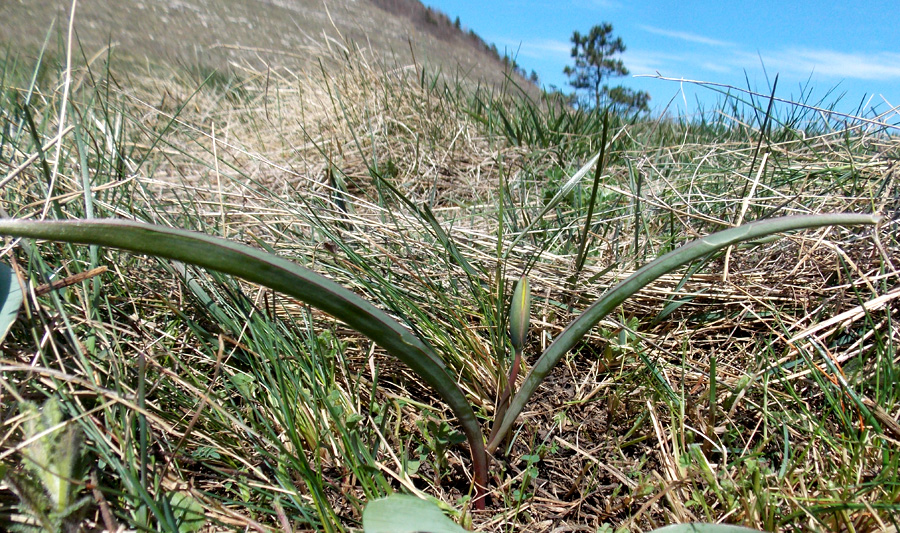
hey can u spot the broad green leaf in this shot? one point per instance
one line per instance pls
(704, 528)
(54, 468)
(401, 513)
(645, 275)
(281, 275)
(11, 296)
(189, 513)
(244, 383)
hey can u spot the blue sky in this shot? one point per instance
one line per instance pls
(847, 47)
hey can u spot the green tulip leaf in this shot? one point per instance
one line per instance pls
(612, 298)
(11, 296)
(281, 275)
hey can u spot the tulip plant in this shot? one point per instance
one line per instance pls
(314, 289)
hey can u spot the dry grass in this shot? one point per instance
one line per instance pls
(199, 36)
(803, 330)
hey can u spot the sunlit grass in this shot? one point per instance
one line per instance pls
(410, 193)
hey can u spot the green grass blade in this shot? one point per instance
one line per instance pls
(278, 274)
(566, 188)
(692, 251)
(586, 232)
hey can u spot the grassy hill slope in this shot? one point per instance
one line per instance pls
(257, 33)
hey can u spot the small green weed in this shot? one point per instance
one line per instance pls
(53, 473)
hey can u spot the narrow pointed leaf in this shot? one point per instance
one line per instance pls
(692, 251)
(563, 191)
(281, 275)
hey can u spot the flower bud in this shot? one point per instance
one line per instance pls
(520, 314)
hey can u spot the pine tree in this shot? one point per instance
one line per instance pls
(596, 61)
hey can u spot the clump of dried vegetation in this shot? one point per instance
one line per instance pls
(757, 386)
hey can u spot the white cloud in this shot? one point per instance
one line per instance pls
(863, 66)
(795, 62)
(715, 67)
(598, 4)
(537, 48)
(649, 62)
(686, 36)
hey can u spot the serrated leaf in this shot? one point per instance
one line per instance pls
(401, 513)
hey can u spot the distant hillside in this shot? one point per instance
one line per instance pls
(278, 33)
